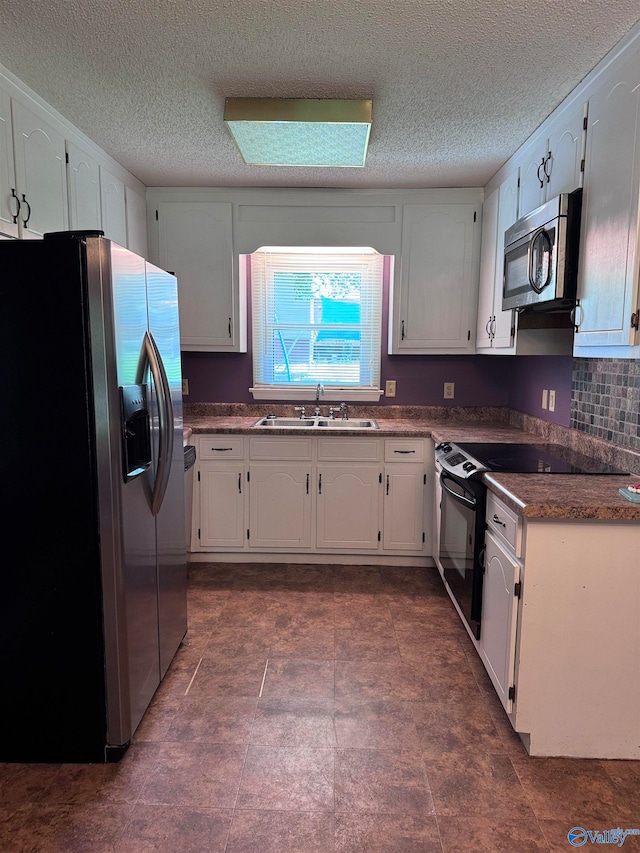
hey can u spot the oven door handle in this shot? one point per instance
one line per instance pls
(470, 502)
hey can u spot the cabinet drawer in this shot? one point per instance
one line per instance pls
(504, 522)
(280, 448)
(403, 450)
(348, 449)
(221, 447)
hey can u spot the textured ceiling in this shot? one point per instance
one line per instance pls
(456, 85)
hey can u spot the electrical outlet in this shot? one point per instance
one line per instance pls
(185, 386)
(449, 390)
(552, 401)
(545, 395)
(390, 388)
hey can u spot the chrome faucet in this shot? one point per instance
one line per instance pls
(345, 411)
(319, 393)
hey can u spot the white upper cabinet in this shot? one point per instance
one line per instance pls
(8, 200)
(496, 328)
(607, 314)
(84, 190)
(41, 173)
(434, 309)
(550, 162)
(114, 217)
(195, 242)
(136, 222)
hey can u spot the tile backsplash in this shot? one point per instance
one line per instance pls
(605, 399)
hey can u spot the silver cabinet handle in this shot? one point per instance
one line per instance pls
(25, 222)
(497, 520)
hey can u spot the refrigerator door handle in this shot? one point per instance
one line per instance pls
(151, 356)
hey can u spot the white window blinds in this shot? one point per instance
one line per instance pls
(316, 317)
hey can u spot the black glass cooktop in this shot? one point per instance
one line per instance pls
(536, 458)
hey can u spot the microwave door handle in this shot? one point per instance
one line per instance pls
(539, 232)
(470, 502)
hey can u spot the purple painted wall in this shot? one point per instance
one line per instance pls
(529, 375)
(479, 380)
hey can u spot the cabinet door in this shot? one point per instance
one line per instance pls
(348, 507)
(607, 274)
(84, 190)
(504, 321)
(136, 207)
(488, 256)
(114, 217)
(280, 505)
(222, 505)
(8, 189)
(41, 173)
(195, 242)
(403, 507)
(530, 162)
(563, 169)
(439, 279)
(499, 617)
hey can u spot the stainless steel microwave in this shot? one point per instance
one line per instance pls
(541, 256)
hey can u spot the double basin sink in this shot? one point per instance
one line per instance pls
(315, 423)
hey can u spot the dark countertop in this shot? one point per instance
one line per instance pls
(569, 496)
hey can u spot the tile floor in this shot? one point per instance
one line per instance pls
(319, 709)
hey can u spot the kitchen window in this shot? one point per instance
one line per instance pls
(316, 316)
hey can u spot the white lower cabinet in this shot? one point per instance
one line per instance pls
(499, 616)
(221, 504)
(348, 515)
(280, 505)
(340, 495)
(559, 635)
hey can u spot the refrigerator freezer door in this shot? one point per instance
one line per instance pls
(139, 590)
(171, 556)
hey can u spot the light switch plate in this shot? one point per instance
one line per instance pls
(449, 390)
(185, 386)
(390, 388)
(545, 395)
(552, 401)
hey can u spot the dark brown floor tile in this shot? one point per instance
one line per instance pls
(372, 643)
(486, 835)
(410, 579)
(238, 641)
(229, 676)
(198, 775)
(384, 724)
(626, 777)
(157, 720)
(165, 829)
(299, 678)
(21, 784)
(294, 722)
(250, 608)
(121, 782)
(426, 645)
(575, 790)
(381, 782)
(445, 727)
(285, 779)
(361, 610)
(357, 579)
(304, 641)
(214, 719)
(281, 832)
(380, 833)
(403, 680)
(480, 785)
(94, 827)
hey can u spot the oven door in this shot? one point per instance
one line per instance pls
(461, 544)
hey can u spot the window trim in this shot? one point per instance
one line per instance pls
(304, 391)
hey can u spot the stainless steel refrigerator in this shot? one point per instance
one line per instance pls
(93, 563)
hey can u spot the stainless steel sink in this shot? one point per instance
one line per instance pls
(286, 423)
(315, 423)
(327, 423)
